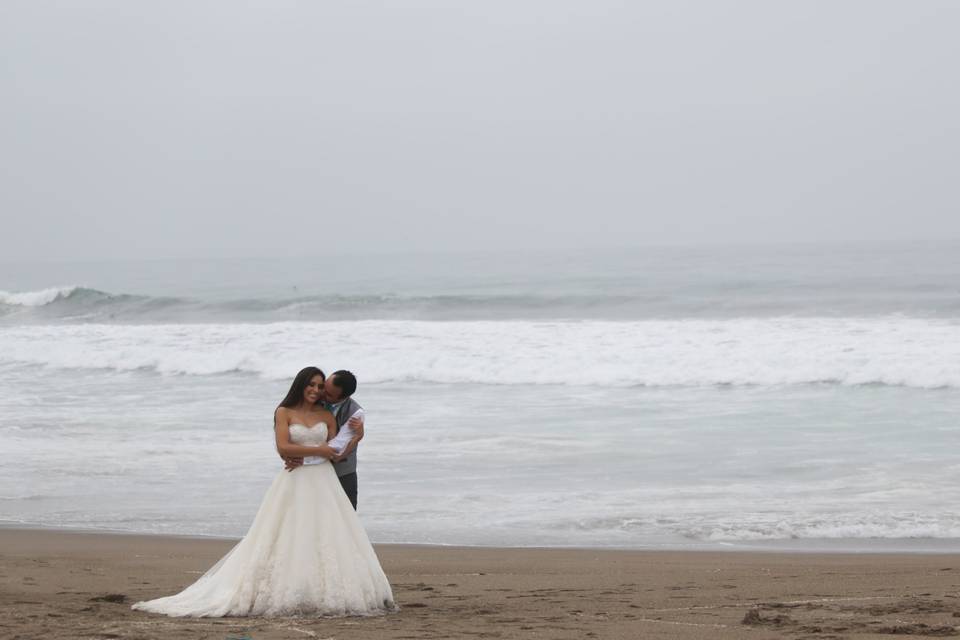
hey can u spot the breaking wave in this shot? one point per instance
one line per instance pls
(38, 298)
(909, 352)
(75, 304)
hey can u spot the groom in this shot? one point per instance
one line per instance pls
(337, 392)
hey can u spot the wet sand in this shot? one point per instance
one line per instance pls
(58, 584)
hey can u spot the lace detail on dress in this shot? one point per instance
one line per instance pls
(306, 554)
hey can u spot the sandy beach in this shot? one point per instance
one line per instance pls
(63, 584)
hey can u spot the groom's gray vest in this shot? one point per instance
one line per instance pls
(346, 409)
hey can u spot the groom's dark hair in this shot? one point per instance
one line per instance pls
(345, 381)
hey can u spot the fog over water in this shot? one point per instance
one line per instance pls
(237, 129)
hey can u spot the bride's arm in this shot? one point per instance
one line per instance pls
(281, 428)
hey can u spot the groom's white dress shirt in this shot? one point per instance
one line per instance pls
(342, 438)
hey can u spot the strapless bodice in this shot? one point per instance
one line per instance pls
(309, 436)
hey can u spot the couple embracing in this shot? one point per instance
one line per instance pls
(306, 552)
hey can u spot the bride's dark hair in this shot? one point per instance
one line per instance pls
(295, 395)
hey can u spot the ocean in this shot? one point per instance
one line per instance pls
(725, 397)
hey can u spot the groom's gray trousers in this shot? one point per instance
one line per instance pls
(347, 468)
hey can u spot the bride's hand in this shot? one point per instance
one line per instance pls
(327, 452)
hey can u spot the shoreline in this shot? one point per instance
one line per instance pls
(69, 584)
(857, 546)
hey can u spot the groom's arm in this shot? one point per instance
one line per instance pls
(356, 424)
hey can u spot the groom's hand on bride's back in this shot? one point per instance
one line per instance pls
(292, 463)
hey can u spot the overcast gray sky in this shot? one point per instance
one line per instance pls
(233, 128)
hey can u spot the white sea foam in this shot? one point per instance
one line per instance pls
(658, 399)
(896, 351)
(835, 526)
(524, 465)
(35, 298)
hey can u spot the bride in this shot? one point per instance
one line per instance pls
(306, 553)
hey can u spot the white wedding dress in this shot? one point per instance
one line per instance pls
(306, 554)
